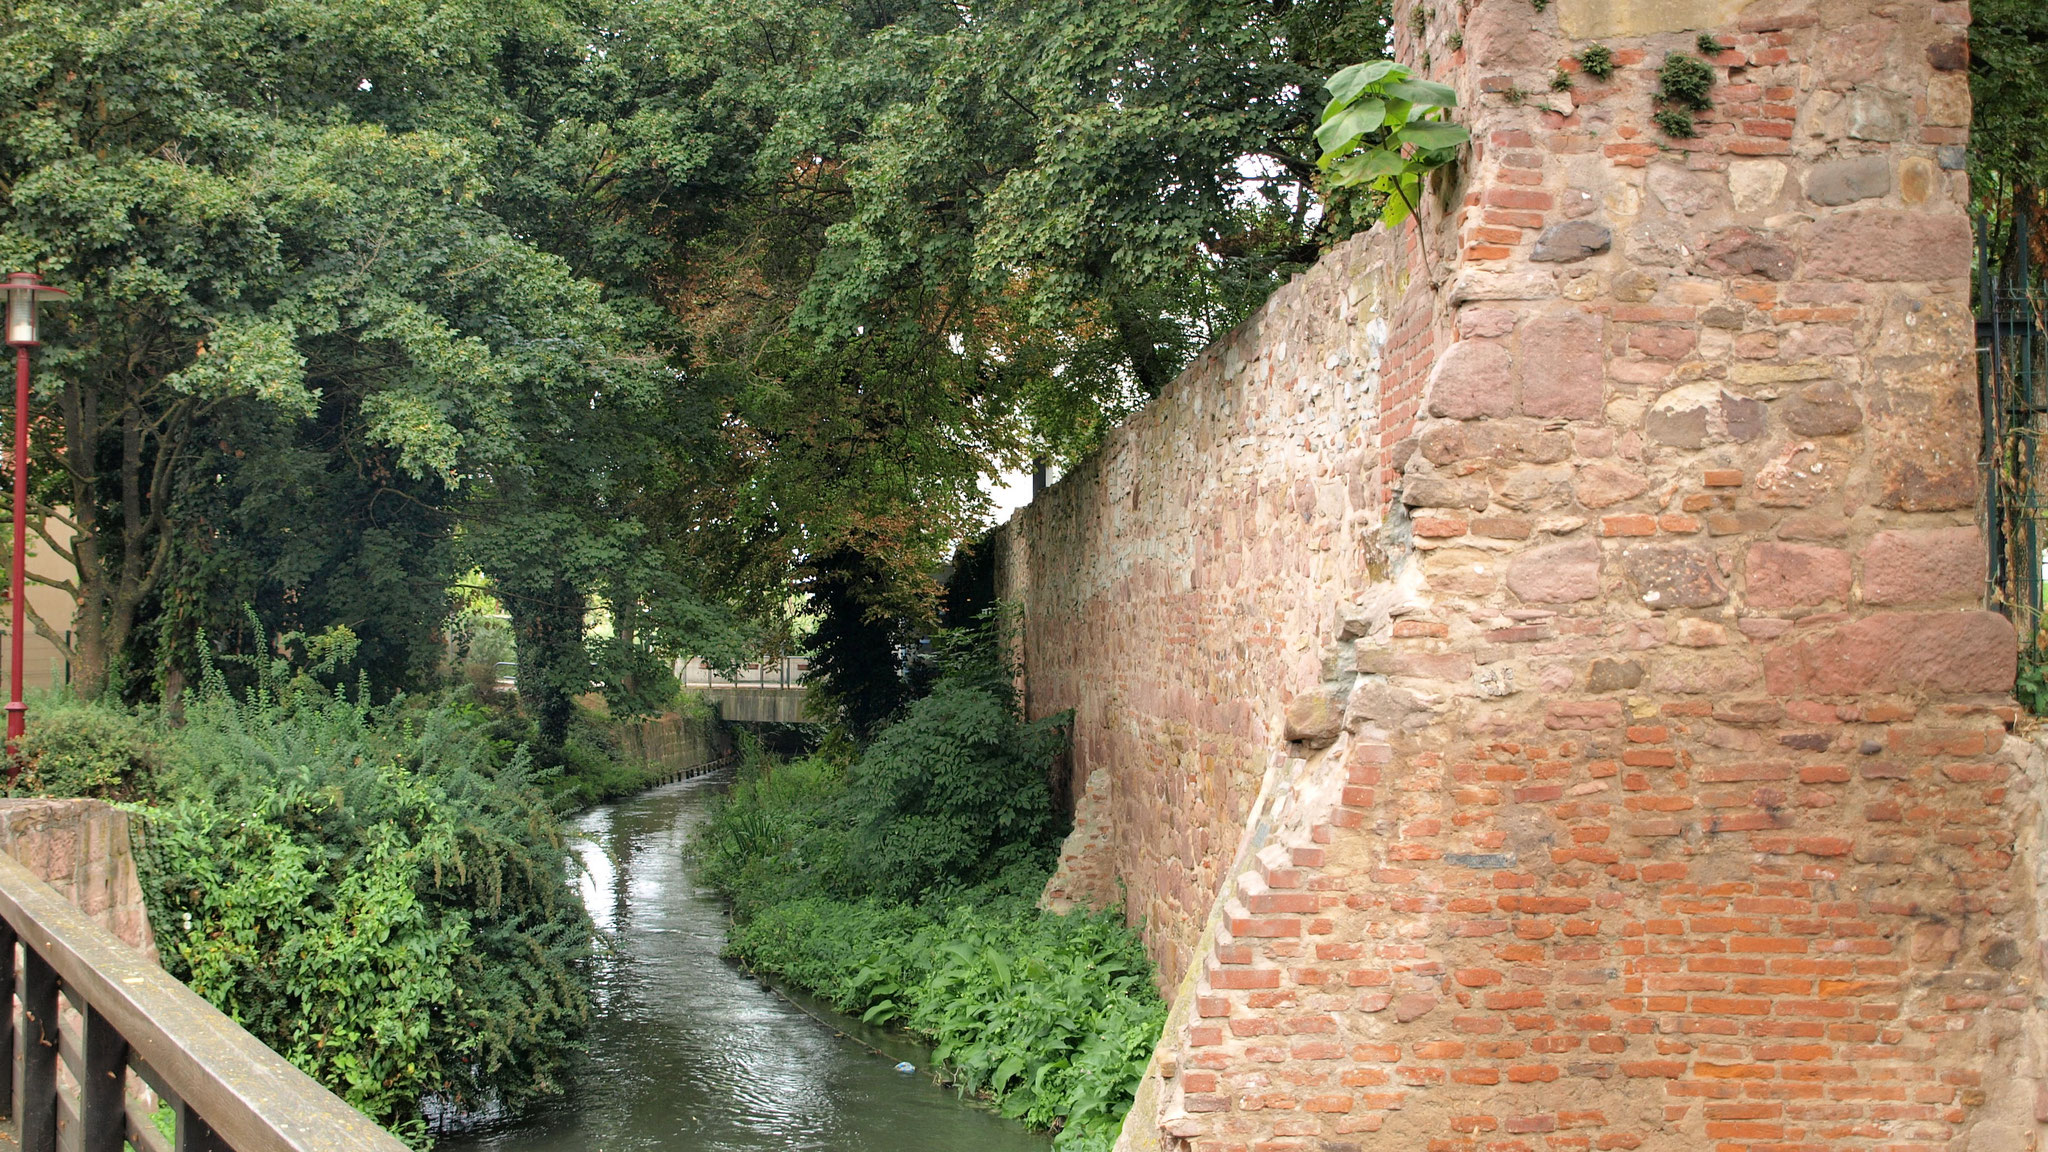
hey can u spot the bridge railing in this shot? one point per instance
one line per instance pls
(787, 672)
(98, 1022)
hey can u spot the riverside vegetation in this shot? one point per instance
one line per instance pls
(899, 883)
(376, 891)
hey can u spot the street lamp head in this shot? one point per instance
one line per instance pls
(26, 290)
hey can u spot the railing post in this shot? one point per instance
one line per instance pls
(194, 1134)
(7, 1017)
(102, 1111)
(36, 1108)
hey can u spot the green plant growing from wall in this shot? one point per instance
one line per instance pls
(1683, 87)
(1597, 61)
(1561, 81)
(1709, 46)
(1385, 129)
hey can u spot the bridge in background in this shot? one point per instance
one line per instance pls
(765, 692)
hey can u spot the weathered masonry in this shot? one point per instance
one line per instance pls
(1532, 679)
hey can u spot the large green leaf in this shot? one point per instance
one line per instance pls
(1433, 134)
(1423, 92)
(1340, 133)
(1346, 85)
(1368, 165)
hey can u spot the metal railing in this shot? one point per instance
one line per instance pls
(2012, 363)
(787, 672)
(104, 1035)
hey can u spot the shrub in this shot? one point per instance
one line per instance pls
(376, 892)
(74, 749)
(1598, 61)
(956, 791)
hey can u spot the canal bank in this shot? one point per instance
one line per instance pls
(689, 1054)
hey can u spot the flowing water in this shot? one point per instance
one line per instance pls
(688, 1054)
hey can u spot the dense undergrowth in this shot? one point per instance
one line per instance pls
(899, 884)
(375, 891)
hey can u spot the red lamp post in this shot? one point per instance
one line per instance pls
(25, 291)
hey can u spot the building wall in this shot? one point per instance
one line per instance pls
(1608, 752)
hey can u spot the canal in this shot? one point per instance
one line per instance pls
(689, 1054)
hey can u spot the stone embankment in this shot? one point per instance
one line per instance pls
(1532, 680)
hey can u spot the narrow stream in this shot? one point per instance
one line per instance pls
(688, 1054)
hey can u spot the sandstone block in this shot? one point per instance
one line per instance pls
(1824, 409)
(1613, 675)
(1746, 252)
(1795, 575)
(1679, 191)
(1923, 567)
(1602, 484)
(1315, 719)
(1561, 366)
(1932, 652)
(1438, 492)
(1697, 415)
(1754, 184)
(1674, 576)
(1886, 244)
(1847, 181)
(1557, 573)
(1473, 378)
(1571, 241)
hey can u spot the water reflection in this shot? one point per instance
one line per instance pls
(687, 1054)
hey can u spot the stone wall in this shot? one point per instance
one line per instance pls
(1178, 585)
(1608, 752)
(81, 848)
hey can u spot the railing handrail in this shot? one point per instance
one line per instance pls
(253, 1099)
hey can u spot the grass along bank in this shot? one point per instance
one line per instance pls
(899, 884)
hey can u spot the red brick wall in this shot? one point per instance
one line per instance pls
(1647, 785)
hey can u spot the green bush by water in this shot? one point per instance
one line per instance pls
(376, 892)
(899, 884)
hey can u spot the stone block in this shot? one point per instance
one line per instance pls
(1603, 484)
(1847, 181)
(1794, 575)
(1909, 567)
(1754, 185)
(1674, 576)
(1888, 244)
(1557, 573)
(1571, 241)
(1680, 191)
(1315, 719)
(1825, 409)
(1473, 378)
(1936, 653)
(1562, 368)
(1747, 252)
(1592, 19)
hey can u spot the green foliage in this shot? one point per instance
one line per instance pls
(1386, 130)
(901, 885)
(1708, 46)
(376, 892)
(76, 749)
(1676, 123)
(1561, 81)
(1053, 1017)
(1684, 84)
(956, 791)
(2031, 688)
(2007, 51)
(1597, 60)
